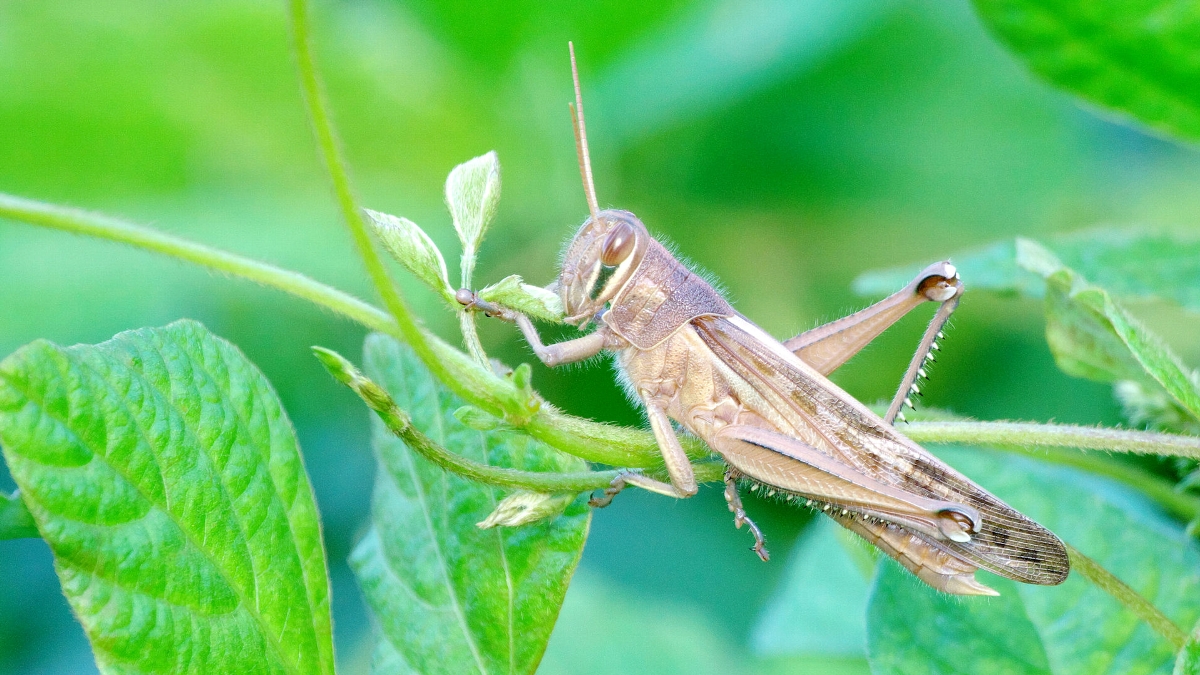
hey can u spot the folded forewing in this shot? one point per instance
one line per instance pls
(1008, 543)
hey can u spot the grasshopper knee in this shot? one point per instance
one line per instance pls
(939, 282)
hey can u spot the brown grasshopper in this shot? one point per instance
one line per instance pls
(768, 410)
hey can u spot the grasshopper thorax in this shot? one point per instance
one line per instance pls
(599, 261)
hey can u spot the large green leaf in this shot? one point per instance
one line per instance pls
(448, 596)
(1069, 629)
(1126, 262)
(164, 474)
(1141, 59)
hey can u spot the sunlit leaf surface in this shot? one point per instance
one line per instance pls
(165, 476)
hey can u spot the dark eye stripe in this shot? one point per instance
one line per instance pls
(606, 272)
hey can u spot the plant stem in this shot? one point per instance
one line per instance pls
(399, 423)
(470, 333)
(339, 175)
(1131, 599)
(466, 318)
(1182, 505)
(597, 442)
(1027, 435)
(78, 221)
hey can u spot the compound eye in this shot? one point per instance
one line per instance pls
(617, 245)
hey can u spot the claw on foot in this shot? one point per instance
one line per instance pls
(611, 491)
(760, 544)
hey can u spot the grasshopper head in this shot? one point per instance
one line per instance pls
(599, 261)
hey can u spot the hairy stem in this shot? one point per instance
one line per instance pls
(327, 142)
(470, 333)
(399, 423)
(1131, 599)
(1182, 505)
(78, 221)
(1027, 435)
(466, 318)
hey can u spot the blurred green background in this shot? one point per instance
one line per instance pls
(785, 146)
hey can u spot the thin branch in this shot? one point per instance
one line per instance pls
(1182, 505)
(100, 226)
(399, 423)
(1030, 435)
(327, 142)
(1131, 599)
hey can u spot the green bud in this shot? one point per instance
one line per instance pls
(522, 377)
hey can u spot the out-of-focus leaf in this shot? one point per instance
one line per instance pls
(472, 194)
(1093, 337)
(1069, 629)
(1141, 59)
(449, 597)
(775, 39)
(944, 634)
(606, 628)
(1128, 263)
(165, 476)
(411, 247)
(638, 637)
(820, 607)
(533, 301)
(16, 522)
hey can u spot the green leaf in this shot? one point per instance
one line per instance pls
(1126, 262)
(411, 247)
(1070, 629)
(1139, 59)
(609, 628)
(472, 194)
(449, 597)
(1091, 336)
(530, 300)
(16, 522)
(165, 476)
(606, 628)
(946, 634)
(820, 607)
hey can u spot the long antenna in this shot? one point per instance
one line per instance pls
(581, 146)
